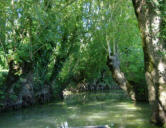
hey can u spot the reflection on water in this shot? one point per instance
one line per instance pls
(86, 109)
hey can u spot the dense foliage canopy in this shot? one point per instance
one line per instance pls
(65, 41)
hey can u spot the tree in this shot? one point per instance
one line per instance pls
(151, 20)
(116, 24)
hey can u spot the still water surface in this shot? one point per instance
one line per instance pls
(104, 108)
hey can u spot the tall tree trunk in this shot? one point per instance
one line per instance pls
(149, 18)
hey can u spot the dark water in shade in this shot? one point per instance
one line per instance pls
(107, 108)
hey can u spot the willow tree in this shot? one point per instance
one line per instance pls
(113, 60)
(28, 42)
(151, 15)
(117, 16)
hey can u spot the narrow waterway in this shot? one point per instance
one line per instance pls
(85, 109)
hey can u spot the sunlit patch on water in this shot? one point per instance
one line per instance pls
(87, 109)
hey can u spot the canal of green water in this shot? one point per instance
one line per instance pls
(85, 109)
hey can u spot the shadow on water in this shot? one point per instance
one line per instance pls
(86, 109)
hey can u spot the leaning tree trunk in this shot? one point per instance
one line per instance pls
(113, 63)
(149, 18)
(119, 76)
